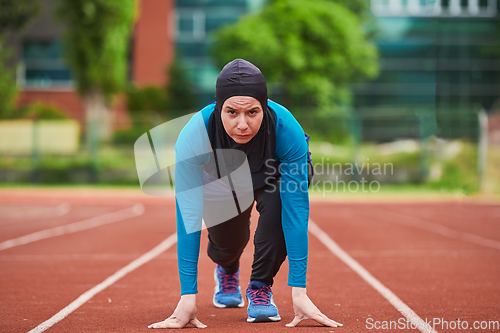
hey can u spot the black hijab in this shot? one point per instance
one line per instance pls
(241, 78)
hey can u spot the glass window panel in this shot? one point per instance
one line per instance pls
(44, 49)
(232, 3)
(191, 49)
(184, 3)
(44, 65)
(190, 25)
(185, 24)
(48, 74)
(215, 23)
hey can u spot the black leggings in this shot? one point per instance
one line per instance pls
(228, 239)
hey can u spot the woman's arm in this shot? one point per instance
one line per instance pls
(192, 153)
(291, 150)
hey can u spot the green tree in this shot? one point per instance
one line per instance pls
(179, 90)
(14, 16)
(8, 88)
(314, 49)
(96, 46)
(147, 106)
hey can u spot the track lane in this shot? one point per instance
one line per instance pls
(19, 226)
(93, 222)
(89, 294)
(34, 290)
(435, 276)
(480, 220)
(448, 285)
(151, 293)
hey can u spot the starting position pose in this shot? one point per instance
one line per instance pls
(242, 118)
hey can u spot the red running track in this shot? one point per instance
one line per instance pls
(439, 259)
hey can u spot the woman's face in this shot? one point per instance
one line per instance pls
(241, 117)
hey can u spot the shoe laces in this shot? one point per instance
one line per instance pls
(229, 282)
(260, 296)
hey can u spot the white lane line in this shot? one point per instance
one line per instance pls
(390, 216)
(38, 213)
(414, 253)
(370, 279)
(93, 222)
(71, 257)
(86, 296)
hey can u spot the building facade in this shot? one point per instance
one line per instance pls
(438, 56)
(43, 75)
(195, 21)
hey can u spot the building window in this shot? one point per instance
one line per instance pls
(435, 8)
(43, 66)
(190, 25)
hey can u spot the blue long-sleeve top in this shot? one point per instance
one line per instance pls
(291, 152)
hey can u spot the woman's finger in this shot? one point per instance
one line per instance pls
(197, 323)
(167, 323)
(156, 325)
(322, 319)
(336, 322)
(294, 322)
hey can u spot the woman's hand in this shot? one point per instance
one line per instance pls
(185, 313)
(305, 309)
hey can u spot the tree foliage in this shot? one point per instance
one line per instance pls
(314, 49)
(152, 105)
(147, 105)
(96, 42)
(179, 90)
(16, 14)
(8, 88)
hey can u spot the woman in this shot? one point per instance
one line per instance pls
(243, 122)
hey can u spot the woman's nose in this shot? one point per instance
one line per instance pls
(242, 124)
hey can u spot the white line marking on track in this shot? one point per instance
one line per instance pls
(93, 222)
(370, 279)
(86, 296)
(437, 229)
(38, 213)
(74, 257)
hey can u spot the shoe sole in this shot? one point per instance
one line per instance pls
(262, 318)
(231, 305)
(223, 306)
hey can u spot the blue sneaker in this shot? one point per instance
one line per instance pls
(227, 290)
(261, 305)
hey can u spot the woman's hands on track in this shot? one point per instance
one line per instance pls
(305, 309)
(185, 313)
